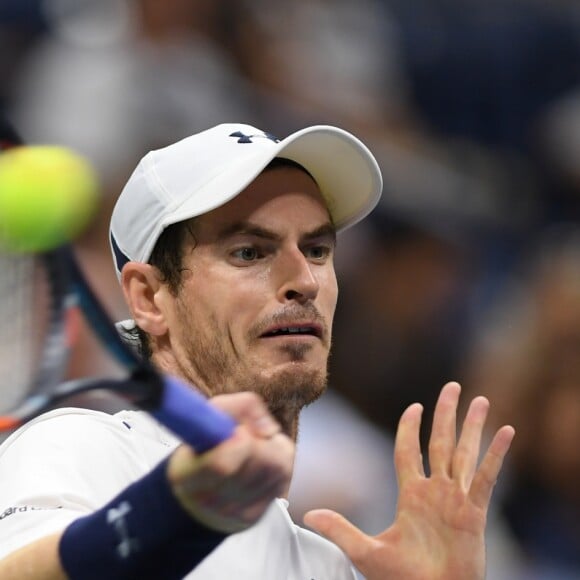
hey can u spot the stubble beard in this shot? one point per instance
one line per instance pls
(286, 391)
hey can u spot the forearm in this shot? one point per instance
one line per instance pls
(143, 530)
(37, 561)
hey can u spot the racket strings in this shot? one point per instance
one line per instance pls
(20, 334)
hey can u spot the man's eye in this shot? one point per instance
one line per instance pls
(318, 252)
(247, 254)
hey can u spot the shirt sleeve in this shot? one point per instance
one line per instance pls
(61, 466)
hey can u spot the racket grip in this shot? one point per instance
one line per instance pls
(189, 415)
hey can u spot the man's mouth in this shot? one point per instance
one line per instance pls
(294, 330)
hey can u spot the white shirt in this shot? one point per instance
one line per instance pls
(70, 462)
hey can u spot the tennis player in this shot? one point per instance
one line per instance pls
(224, 245)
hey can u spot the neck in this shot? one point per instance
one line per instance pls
(165, 361)
(288, 419)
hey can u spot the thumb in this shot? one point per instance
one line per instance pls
(336, 528)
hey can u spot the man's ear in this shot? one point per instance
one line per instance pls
(140, 284)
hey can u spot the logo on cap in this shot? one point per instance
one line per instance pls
(243, 138)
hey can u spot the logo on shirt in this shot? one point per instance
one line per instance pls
(20, 509)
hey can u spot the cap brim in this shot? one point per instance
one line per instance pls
(345, 170)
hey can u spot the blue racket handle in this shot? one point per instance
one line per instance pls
(189, 415)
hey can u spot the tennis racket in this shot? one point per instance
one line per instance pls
(42, 297)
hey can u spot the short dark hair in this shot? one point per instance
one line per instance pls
(167, 258)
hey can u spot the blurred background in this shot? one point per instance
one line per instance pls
(469, 269)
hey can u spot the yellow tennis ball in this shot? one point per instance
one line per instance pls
(48, 195)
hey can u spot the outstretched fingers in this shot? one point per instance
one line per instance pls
(487, 474)
(449, 458)
(466, 455)
(407, 452)
(443, 431)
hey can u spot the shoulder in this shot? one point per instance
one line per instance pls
(67, 425)
(77, 456)
(88, 435)
(60, 421)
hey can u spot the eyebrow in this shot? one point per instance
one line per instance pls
(249, 229)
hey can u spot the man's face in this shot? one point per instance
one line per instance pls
(259, 292)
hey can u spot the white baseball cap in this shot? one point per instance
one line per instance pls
(208, 169)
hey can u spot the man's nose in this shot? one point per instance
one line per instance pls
(296, 278)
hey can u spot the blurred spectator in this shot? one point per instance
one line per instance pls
(559, 137)
(486, 70)
(334, 61)
(22, 24)
(527, 362)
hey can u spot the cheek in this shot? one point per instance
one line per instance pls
(201, 305)
(328, 296)
(329, 285)
(226, 307)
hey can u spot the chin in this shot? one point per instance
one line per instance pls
(295, 383)
(298, 371)
(300, 353)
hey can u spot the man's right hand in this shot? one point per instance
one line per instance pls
(230, 487)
